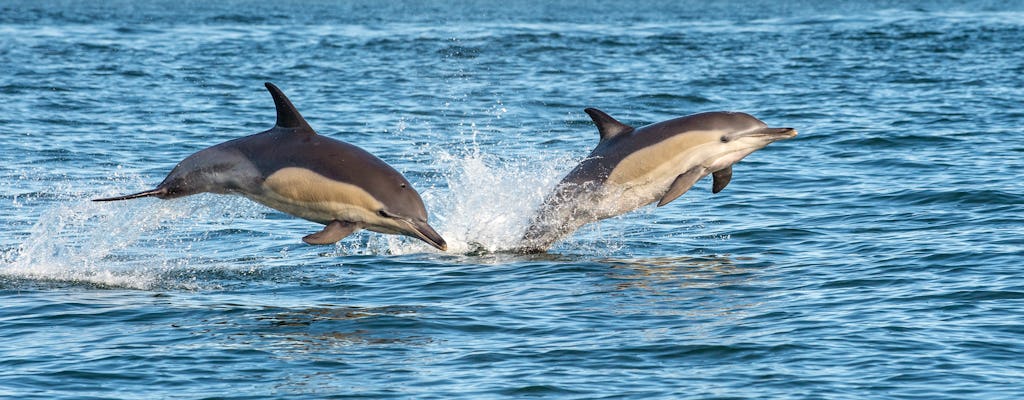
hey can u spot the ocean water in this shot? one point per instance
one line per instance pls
(878, 255)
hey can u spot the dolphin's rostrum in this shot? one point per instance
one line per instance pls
(633, 167)
(294, 170)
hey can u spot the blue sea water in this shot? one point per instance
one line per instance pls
(877, 255)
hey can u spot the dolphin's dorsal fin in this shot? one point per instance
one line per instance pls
(607, 126)
(287, 115)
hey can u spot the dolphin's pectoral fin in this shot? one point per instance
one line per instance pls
(332, 233)
(683, 182)
(721, 179)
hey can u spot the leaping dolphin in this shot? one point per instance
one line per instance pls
(292, 169)
(633, 167)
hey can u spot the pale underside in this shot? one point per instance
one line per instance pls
(662, 172)
(648, 174)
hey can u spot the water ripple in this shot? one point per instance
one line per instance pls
(875, 255)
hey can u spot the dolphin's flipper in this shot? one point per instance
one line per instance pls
(721, 179)
(332, 233)
(607, 126)
(682, 183)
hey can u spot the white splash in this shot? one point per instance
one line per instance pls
(111, 244)
(490, 201)
(481, 202)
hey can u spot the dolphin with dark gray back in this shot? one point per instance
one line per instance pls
(293, 169)
(633, 167)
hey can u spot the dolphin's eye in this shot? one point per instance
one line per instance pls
(403, 186)
(725, 139)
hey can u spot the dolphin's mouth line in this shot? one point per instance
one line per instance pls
(775, 134)
(149, 193)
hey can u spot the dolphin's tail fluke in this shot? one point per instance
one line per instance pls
(149, 193)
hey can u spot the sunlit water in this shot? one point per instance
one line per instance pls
(876, 255)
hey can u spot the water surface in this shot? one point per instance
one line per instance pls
(876, 255)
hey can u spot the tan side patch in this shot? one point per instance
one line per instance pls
(669, 158)
(307, 194)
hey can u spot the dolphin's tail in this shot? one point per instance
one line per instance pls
(546, 228)
(154, 192)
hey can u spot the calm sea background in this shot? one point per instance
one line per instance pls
(878, 255)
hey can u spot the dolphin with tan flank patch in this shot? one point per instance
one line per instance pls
(292, 169)
(633, 167)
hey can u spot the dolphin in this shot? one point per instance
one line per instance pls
(634, 167)
(292, 169)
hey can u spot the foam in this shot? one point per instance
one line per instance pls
(132, 244)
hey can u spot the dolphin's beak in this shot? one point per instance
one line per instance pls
(424, 232)
(149, 193)
(776, 134)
